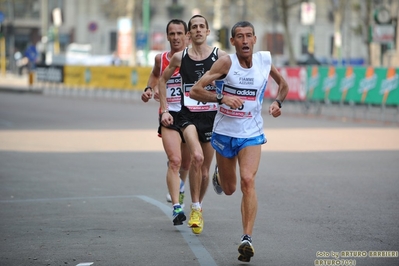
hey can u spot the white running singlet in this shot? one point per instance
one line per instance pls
(250, 85)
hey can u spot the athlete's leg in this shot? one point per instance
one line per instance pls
(197, 159)
(185, 162)
(185, 165)
(248, 161)
(171, 141)
(208, 157)
(227, 173)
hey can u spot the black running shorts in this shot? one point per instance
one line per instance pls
(203, 122)
(173, 126)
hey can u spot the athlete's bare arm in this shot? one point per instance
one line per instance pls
(220, 68)
(282, 91)
(282, 84)
(157, 75)
(174, 63)
(153, 79)
(221, 53)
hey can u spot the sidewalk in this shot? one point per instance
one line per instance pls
(12, 82)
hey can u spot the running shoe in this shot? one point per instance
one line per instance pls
(178, 215)
(181, 185)
(181, 199)
(218, 189)
(181, 195)
(196, 220)
(246, 250)
(168, 197)
(198, 230)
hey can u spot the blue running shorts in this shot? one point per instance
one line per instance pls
(229, 147)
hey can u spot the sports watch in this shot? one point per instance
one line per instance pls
(278, 102)
(219, 97)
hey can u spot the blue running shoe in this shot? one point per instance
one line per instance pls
(178, 215)
(218, 189)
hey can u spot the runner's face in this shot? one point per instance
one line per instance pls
(176, 37)
(198, 30)
(244, 41)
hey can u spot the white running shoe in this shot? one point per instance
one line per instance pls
(168, 197)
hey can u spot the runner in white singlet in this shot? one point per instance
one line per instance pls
(238, 127)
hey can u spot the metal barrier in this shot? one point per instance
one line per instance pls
(372, 93)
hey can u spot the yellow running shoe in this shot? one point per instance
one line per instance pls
(196, 220)
(198, 230)
(246, 250)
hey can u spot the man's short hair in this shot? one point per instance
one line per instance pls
(198, 16)
(178, 22)
(241, 24)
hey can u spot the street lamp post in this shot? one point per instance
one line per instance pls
(146, 27)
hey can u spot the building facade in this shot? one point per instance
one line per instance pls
(95, 22)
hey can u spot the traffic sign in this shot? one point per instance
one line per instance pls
(308, 13)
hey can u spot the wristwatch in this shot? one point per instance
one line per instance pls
(219, 98)
(278, 102)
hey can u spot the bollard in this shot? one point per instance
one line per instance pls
(31, 78)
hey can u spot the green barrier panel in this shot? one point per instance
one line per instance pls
(375, 86)
(386, 83)
(333, 85)
(323, 83)
(390, 87)
(367, 85)
(348, 85)
(315, 77)
(361, 78)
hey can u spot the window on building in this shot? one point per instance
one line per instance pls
(113, 41)
(27, 9)
(304, 43)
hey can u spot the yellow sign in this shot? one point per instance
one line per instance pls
(107, 77)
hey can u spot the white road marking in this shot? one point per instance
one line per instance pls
(202, 255)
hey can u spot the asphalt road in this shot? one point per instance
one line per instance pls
(82, 182)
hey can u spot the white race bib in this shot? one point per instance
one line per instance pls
(196, 106)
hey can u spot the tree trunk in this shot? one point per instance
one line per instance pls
(338, 9)
(367, 25)
(285, 9)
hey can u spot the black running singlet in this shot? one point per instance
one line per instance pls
(191, 71)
